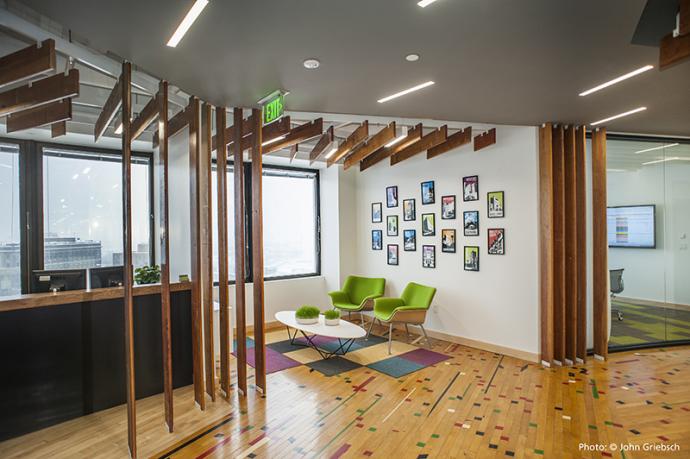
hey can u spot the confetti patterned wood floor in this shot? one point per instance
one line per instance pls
(477, 404)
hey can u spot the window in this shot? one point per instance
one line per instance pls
(231, 222)
(82, 203)
(10, 257)
(290, 225)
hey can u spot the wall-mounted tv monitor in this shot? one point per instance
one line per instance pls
(632, 226)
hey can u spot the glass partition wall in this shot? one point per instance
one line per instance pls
(649, 241)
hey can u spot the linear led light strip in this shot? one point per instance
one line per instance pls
(406, 91)
(656, 148)
(672, 158)
(617, 80)
(425, 3)
(620, 115)
(187, 22)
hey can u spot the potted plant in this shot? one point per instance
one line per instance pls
(147, 275)
(332, 317)
(307, 315)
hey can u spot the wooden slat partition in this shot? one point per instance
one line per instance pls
(430, 140)
(112, 105)
(581, 212)
(546, 244)
(377, 141)
(161, 105)
(206, 235)
(559, 243)
(240, 298)
(28, 62)
(272, 131)
(358, 136)
(178, 122)
(43, 115)
(570, 219)
(454, 141)
(126, 102)
(324, 141)
(414, 135)
(600, 270)
(41, 92)
(197, 345)
(258, 256)
(223, 278)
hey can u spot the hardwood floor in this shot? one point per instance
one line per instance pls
(477, 404)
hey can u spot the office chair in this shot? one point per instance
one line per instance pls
(617, 286)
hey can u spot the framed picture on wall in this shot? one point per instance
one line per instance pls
(376, 212)
(392, 225)
(497, 241)
(376, 240)
(448, 207)
(471, 258)
(470, 188)
(428, 224)
(393, 254)
(392, 196)
(495, 204)
(448, 240)
(409, 240)
(428, 192)
(428, 256)
(409, 210)
(470, 223)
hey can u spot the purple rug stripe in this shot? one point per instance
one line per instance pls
(318, 340)
(424, 357)
(275, 361)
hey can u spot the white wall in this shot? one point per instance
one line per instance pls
(498, 305)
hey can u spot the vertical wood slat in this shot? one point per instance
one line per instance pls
(559, 243)
(258, 254)
(546, 243)
(600, 289)
(581, 240)
(126, 95)
(206, 250)
(165, 251)
(223, 277)
(197, 345)
(570, 277)
(240, 314)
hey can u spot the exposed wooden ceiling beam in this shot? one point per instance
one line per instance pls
(485, 139)
(175, 124)
(146, 117)
(673, 51)
(43, 115)
(28, 62)
(112, 105)
(41, 92)
(377, 141)
(430, 140)
(299, 134)
(413, 135)
(268, 132)
(358, 136)
(58, 129)
(324, 141)
(293, 151)
(684, 22)
(456, 140)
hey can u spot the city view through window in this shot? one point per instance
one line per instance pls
(10, 274)
(82, 208)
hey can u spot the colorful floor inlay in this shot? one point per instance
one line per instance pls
(644, 324)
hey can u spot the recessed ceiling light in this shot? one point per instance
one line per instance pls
(656, 148)
(187, 22)
(311, 64)
(425, 3)
(618, 80)
(412, 57)
(620, 115)
(406, 91)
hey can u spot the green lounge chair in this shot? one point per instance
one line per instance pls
(411, 308)
(358, 294)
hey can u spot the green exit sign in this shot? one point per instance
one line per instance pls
(273, 108)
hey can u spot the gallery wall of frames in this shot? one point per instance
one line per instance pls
(457, 214)
(466, 223)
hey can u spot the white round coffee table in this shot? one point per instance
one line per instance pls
(346, 333)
